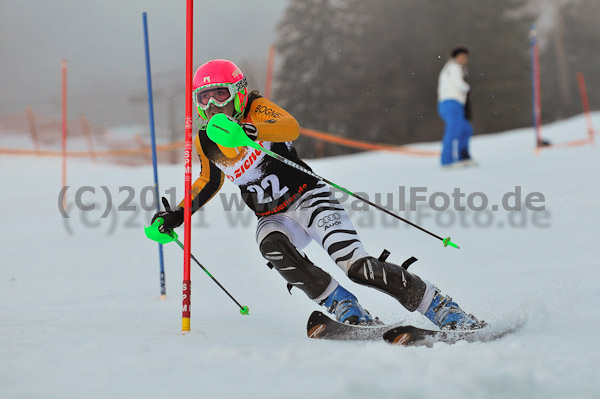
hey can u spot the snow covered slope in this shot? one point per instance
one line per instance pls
(80, 314)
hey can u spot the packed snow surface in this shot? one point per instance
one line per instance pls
(81, 315)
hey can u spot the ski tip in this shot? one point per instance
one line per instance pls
(401, 339)
(316, 330)
(397, 337)
(315, 326)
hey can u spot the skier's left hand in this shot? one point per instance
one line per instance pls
(171, 219)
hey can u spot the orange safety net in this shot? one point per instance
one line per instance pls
(321, 136)
(108, 153)
(574, 143)
(331, 138)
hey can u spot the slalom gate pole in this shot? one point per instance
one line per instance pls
(32, 128)
(586, 105)
(163, 288)
(538, 97)
(187, 207)
(64, 128)
(85, 127)
(535, 86)
(228, 133)
(243, 309)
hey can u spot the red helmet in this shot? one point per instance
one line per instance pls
(219, 82)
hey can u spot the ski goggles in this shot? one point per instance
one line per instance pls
(218, 94)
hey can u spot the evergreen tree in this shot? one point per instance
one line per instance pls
(368, 69)
(570, 47)
(404, 46)
(308, 79)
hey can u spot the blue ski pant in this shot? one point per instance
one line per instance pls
(457, 129)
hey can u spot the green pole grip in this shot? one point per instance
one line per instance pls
(153, 233)
(226, 131)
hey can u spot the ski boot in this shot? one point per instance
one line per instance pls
(346, 308)
(447, 315)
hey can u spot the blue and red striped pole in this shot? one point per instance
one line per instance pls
(163, 288)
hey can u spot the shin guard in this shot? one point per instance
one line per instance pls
(392, 279)
(294, 267)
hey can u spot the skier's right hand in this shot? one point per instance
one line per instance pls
(250, 130)
(171, 219)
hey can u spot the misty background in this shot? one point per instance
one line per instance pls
(103, 43)
(362, 69)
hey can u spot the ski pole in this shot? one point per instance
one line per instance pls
(243, 309)
(227, 132)
(153, 233)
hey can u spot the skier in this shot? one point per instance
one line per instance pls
(294, 208)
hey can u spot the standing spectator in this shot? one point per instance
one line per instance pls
(453, 92)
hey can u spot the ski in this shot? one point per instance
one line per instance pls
(415, 336)
(323, 327)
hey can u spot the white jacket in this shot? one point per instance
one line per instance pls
(451, 83)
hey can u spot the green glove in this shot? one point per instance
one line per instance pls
(153, 232)
(163, 223)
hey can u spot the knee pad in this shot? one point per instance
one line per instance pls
(394, 280)
(293, 266)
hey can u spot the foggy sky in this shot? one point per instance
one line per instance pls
(103, 43)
